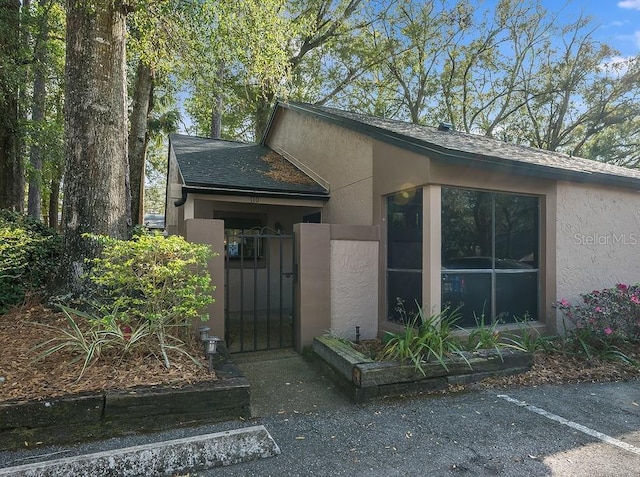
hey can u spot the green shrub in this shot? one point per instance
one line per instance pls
(155, 278)
(146, 292)
(605, 321)
(29, 254)
(159, 281)
(612, 313)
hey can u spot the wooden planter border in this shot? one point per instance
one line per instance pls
(362, 378)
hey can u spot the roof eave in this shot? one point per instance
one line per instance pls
(538, 171)
(213, 190)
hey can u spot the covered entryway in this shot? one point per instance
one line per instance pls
(259, 290)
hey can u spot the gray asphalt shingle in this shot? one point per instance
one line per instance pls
(212, 163)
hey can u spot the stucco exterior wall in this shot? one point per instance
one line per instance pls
(211, 232)
(397, 169)
(340, 157)
(354, 288)
(337, 286)
(597, 238)
(313, 303)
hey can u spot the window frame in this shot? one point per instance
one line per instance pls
(415, 197)
(494, 272)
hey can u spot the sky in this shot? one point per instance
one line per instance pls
(618, 20)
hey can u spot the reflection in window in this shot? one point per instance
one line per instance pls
(404, 253)
(490, 257)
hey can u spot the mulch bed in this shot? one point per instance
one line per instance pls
(22, 378)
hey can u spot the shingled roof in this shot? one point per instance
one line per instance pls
(474, 150)
(229, 167)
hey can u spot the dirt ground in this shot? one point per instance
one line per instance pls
(22, 378)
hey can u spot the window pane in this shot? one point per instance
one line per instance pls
(517, 231)
(466, 228)
(404, 229)
(495, 232)
(516, 296)
(405, 289)
(470, 294)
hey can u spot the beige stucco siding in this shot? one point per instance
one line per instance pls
(354, 288)
(211, 232)
(598, 238)
(476, 178)
(397, 169)
(340, 157)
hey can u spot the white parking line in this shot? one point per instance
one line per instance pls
(574, 425)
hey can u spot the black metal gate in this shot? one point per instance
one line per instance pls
(259, 290)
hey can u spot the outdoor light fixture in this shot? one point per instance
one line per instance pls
(212, 344)
(211, 348)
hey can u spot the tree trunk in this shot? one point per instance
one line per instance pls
(54, 198)
(23, 91)
(56, 177)
(34, 200)
(97, 198)
(12, 176)
(263, 111)
(216, 110)
(216, 119)
(138, 138)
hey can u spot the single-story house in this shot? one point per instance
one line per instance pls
(493, 229)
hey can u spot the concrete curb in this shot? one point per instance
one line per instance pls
(160, 458)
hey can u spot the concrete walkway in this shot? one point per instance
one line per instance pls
(283, 381)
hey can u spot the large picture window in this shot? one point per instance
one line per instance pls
(490, 258)
(404, 254)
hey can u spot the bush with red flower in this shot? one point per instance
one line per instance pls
(612, 313)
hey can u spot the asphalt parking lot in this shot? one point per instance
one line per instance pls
(571, 430)
(473, 433)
